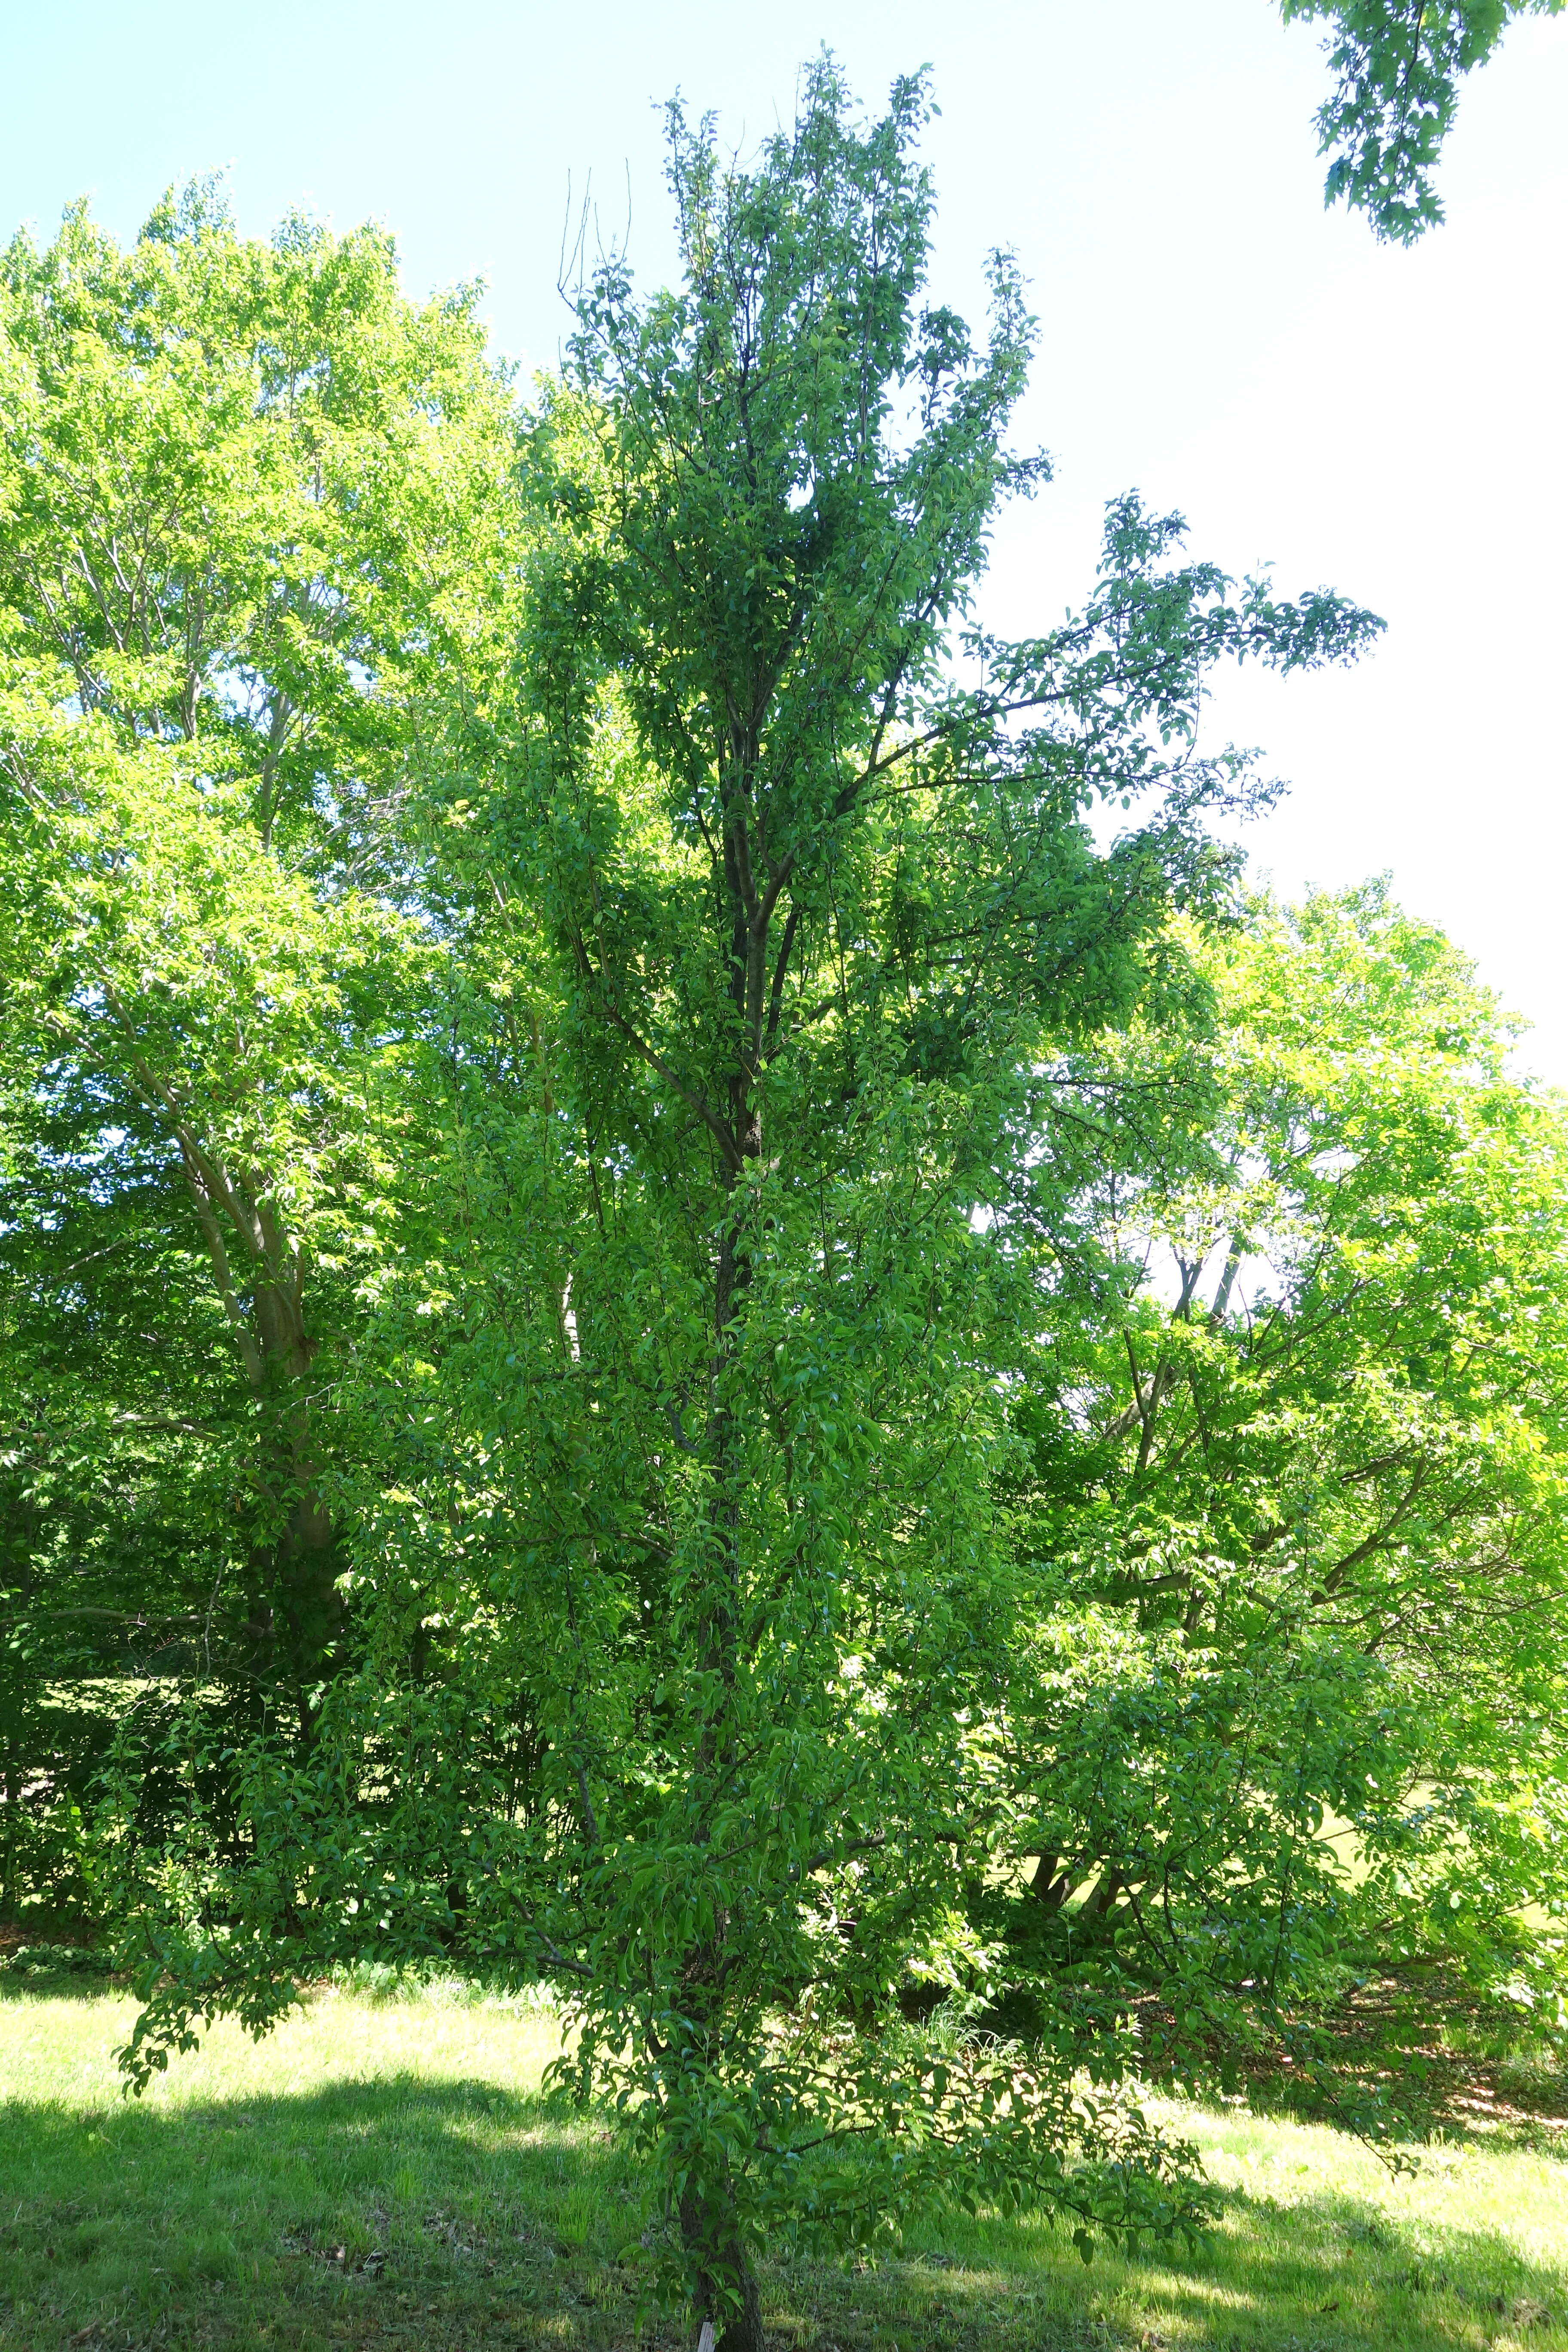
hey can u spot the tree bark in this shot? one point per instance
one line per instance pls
(727, 2291)
(303, 1564)
(1049, 1891)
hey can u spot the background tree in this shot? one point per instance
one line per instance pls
(249, 497)
(1289, 1716)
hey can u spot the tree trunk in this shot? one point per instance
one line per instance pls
(14, 1702)
(726, 2284)
(305, 1568)
(302, 1565)
(1049, 1891)
(1101, 1901)
(726, 2294)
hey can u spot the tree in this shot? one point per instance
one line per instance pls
(781, 891)
(1297, 1509)
(248, 499)
(1398, 64)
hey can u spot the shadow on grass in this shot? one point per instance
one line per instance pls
(27, 1971)
(461, 2214)
(1447, 2065)
(1329, 2271)
(343, 2213)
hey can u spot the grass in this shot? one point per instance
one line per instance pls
(1448, 2064)
(383, 2173)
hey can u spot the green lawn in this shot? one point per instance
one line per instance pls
(382, 2173)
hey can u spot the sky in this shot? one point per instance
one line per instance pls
(1389, 423)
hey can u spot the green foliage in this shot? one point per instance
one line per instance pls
(779, 895)
(1291, 1716)
(1398, 64)
(690, 1308)
(242, 491)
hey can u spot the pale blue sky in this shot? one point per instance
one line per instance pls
(1391, 423)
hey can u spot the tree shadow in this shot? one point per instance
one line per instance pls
(1332, 2273)
(1337, 2269)
(1444, 2065)
(400, 2211)
(378, 2212)
(60, 1971)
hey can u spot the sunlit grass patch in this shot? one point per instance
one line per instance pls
(382, 2172)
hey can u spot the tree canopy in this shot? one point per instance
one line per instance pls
(244, 494)
(1398, 67)
(692, 1305)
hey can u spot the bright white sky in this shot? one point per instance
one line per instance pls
(1389, 423)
